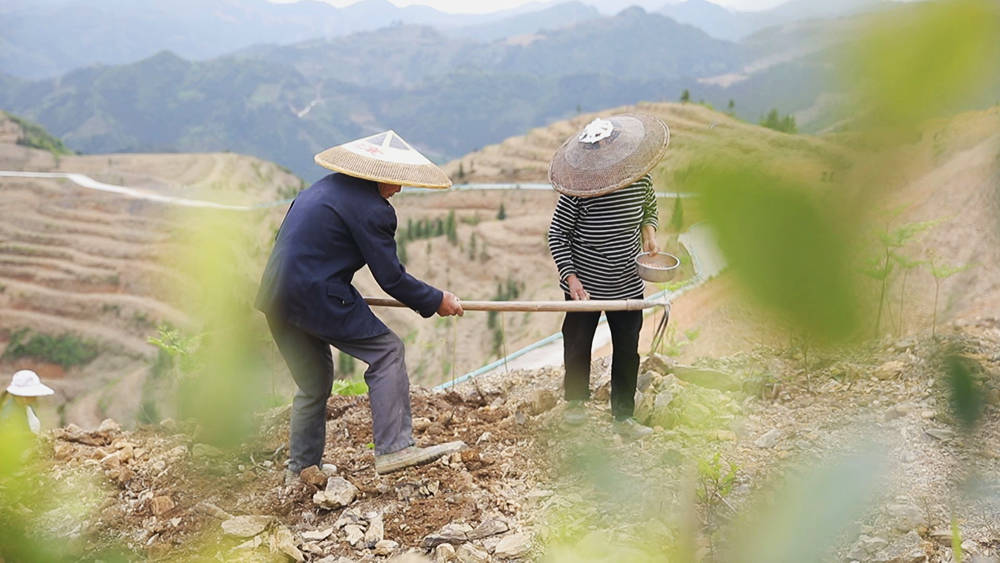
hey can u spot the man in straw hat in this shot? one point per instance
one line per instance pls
(605, 215)
(20, 396)
(333, 229)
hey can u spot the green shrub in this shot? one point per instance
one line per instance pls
(36, 137)
(67, 349)
(775, 121)
(349, 387)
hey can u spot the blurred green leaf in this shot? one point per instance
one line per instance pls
(906, 262)
(806, 519)
(904, 234)
(788, 246)
(228, 379)
(915, 64)
(945, 271)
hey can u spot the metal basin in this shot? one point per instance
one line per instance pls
(662, 267)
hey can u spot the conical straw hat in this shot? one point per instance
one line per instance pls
(387, 158)
(609, 154)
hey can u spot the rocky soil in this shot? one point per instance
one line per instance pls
(727, 434)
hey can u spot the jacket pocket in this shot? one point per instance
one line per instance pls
(340, 292)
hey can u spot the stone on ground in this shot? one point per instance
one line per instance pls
(514, 545)
(339, 492)
(246, 526)
(453, 533)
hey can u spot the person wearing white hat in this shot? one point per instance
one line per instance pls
(19, 397)
(334, 228)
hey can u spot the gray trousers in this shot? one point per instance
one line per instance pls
(309, 359)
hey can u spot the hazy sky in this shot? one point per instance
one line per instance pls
(494, 5)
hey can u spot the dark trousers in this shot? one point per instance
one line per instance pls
(578, 339)
(309, 359)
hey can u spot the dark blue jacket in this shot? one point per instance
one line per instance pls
(331, 231)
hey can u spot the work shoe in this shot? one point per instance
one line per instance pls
(413, 455)
(631, 429)
(291, 477)
(575, 413)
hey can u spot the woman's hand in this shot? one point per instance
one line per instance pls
(576, 291)
(649, 241)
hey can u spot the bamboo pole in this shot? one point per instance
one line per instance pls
(540, 306)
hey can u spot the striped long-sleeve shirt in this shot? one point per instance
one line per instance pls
(598, 239)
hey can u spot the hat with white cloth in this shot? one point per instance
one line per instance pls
(26, 383)
(385, 158)
(609, 154)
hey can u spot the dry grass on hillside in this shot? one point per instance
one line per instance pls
(697, 134)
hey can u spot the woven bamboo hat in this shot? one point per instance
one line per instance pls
(387, 158)
(609, 154)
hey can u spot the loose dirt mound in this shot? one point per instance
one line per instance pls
(530, 480)
(486, 481)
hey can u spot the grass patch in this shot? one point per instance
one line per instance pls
(66, 350)
(349, 387)
(36, 137)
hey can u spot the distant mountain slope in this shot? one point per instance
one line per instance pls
(711, 18)
(449, 96)
(722, 23)
(633, 44)
(43, 39)
(559, 16)
(166, 103)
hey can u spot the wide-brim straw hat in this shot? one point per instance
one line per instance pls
(609, 154)
(386, 158)
(26, 383)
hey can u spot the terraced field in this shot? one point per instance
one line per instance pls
(100, 267)
(95, 268)
(697, 132)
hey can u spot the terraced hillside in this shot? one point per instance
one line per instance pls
(696, 131)
(949, 174)
(98, 266)
(85, 276)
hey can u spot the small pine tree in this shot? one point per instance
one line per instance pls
(502, 214)
(450, 228)
(775, 121)
(677, 217)
(732, 105)
(472, 247)
(685, 96)
(461, 171)
(345, 365)
(401, 251)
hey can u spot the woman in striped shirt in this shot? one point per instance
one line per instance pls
(594, 242)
